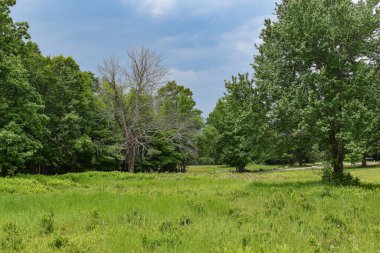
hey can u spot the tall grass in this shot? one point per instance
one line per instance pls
(195, 212)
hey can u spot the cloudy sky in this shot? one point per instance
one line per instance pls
(202, 42)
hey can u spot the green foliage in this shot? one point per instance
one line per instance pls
(79, 135)
(51, 119)
(316, 73)
(206, 145)
(59, 242)
(22, 122)
(93, 221)
(185, 221)
(345, 179)
(172, 146)
(238, 122)
(11, 239)
(47, 223)
(162, 155)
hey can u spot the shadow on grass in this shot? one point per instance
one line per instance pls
(369, 186)
(308, 184)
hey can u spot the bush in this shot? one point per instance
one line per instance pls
(59, 242)
(93, 221)
(345, 179)
(185, 221)
(47, 223)
(12, 238)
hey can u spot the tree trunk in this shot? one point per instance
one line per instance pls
(364, 161)
(337, 149)
(300, 160)
(131, 157)
(338, 157)
(2, 171)
(240, 168)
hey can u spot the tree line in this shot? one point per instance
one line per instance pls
(56, 118)
(315, 93)
(314, 96)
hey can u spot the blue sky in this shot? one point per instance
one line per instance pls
(202, 43)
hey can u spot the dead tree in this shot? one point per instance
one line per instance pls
(126, 89)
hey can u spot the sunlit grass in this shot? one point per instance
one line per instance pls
(201, 211)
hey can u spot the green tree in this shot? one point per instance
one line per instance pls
(206, 145)
(21, 109)
(239, 120)
(179, 118)
(362, 116)
(311, 63)
(79, 135)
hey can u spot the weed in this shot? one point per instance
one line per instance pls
(153, 242)
(59, 242)
(185, 221)
(335, 221)
(245, 240)
(134, 217)
(196, 207)
(303, 202)
(326, 193)
(93, 221)
(12, 238)
(166, 226)
(47, 223)
(275, 204)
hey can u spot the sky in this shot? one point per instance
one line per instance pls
(202, 42)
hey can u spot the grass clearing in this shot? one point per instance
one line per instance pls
(195, 212)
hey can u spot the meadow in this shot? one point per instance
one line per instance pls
(207, 209)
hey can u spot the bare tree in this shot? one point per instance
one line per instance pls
(127, 89)
(144, 72)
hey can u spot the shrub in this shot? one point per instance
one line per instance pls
(166, 226)
(12, 239)
(185, 221)
(59, 242)
(47, 223)
(134, 217)
(346, 179)
(93, 221)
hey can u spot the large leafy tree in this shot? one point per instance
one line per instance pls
(362, 117)
(21, 118)
(206, 145)
(312, 62)
(180, 120)
(79, 135)
(239, 121)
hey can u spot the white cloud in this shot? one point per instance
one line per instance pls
(159, 8)
(154, 7)
(234, 48)
(232, 55)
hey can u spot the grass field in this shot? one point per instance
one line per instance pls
(201, 211)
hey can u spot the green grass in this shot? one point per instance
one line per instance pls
(200, 211)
